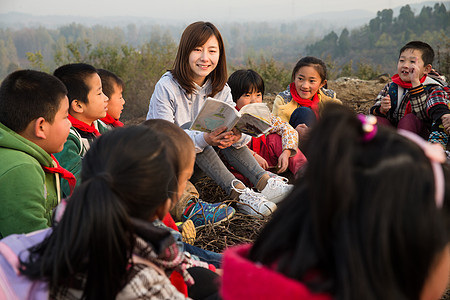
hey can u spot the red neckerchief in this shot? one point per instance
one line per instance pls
(83, 126)
(406, 85)
(256, 143)
(111, 121)
(62, 172)
(313, 104)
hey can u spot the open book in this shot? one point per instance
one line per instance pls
(253, 119)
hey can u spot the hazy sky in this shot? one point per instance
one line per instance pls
(236, 10)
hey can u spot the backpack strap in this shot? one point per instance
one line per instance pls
(14, 285)
(78, 136)
(11, 257)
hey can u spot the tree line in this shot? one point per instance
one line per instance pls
(140, 55)
(377, 43)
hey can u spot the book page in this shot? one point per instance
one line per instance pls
(252, 125)
(255, 119)
(213, 114)
(260, 110)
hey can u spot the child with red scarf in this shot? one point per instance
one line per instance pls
(279, 149)
(87, 104)
(300, 104)
(113, 89)
(33, 126)
(417, 98)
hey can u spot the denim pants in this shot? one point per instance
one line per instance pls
(302, 115)
(210, 257)
(241, 159)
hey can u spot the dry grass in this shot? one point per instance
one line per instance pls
(240, 229)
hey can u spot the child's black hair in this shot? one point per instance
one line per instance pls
(26, 95)
(427, 51)
(311, 61)
(126, 176)
(362, 222)
(75, 76)
(245, 81)
(109, 79)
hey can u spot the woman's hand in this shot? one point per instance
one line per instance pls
(222, 138)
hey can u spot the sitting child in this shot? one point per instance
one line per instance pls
(113, 88)
(279, 149)
(369, 219)
(417, 98)
(33, 125)
(189, 206)
(302, 102)
(87, 104)
(105, 245)
(200, 71)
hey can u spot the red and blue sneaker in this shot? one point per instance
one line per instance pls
(202, 213)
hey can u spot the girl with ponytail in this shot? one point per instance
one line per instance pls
(369, 219)
(105, 245)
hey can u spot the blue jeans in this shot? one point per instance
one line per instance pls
(241, 159)
(210, 257)
(302, 115)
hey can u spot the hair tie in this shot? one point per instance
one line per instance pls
(106, 176)
(437, 156)
(369, 126)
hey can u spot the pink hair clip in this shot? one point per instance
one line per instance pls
(369, 126)
(437, 156)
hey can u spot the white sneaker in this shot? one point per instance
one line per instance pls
(276, 189)
(253, 203)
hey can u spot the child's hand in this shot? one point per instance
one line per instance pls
(283, 161)
(261, 161)
(236, 135)
(446, 123)
(414, 74)
(303, 131)
(219, 137)
(385, 104)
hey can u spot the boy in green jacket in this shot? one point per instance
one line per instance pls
(87, 104)
(33, 125)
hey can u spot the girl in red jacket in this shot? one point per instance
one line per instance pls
(369, 219)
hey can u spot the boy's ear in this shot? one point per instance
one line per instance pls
(77, 106)
(39, 128)
(427, 69)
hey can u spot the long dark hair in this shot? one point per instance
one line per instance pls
(193, 36)
(126, 176)
(362, 222)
